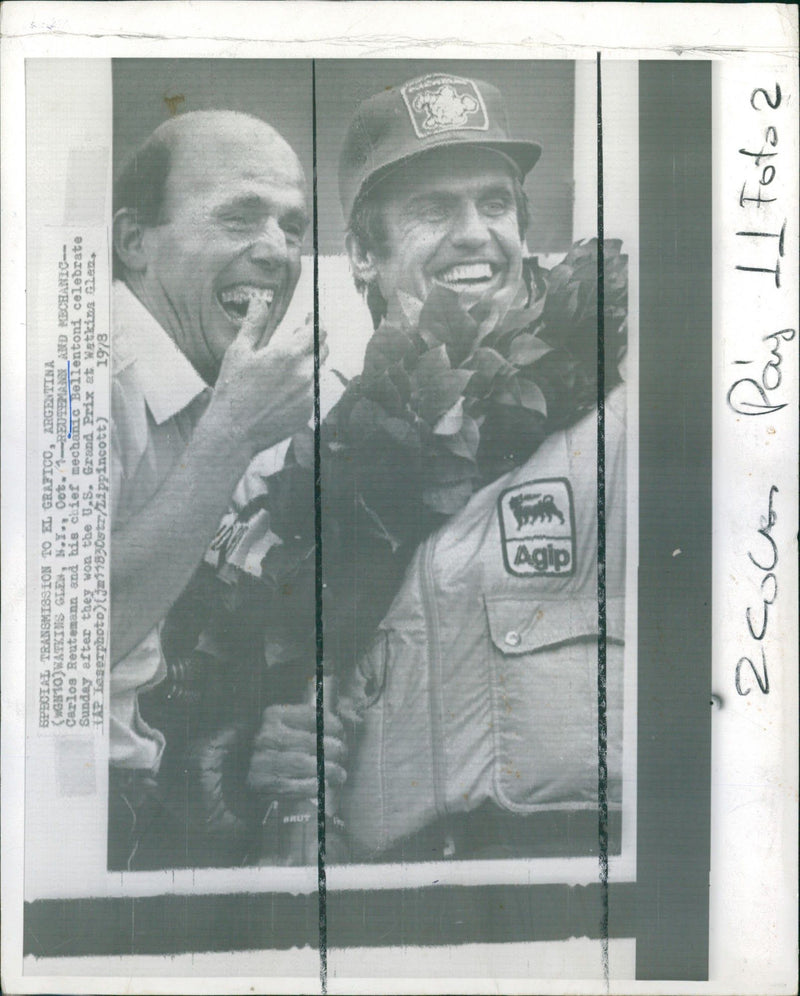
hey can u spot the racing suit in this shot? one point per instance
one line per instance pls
(480, 692)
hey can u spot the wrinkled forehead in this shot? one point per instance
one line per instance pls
(209, 161)
(449, 170)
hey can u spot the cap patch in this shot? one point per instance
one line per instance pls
(441, 103)
(537, 528)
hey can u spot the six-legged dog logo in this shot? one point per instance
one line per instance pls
(531, 508)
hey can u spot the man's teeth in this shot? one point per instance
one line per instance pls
(466, 272)
(236, 300)
(244, 294)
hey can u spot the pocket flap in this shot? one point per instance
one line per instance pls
(523, 625)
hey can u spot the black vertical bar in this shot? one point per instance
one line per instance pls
(320, 704)
(602, 716)
(675, 520)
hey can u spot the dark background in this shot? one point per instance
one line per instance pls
(539, 96)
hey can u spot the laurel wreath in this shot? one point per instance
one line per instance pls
(449, 399)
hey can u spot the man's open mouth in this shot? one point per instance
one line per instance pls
(464, 276)
(235, 301)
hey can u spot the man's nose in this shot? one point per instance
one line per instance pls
(469, 227)
(269, 246)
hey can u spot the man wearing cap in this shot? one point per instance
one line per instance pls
(419, 215)
(479, 702)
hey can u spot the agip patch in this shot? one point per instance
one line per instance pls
(537, 528)
(440, 103)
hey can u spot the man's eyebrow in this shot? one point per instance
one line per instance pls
(432, 194)
(258, 202)
(496, 190)
(257, 205)
(431, 197)
(245, 202)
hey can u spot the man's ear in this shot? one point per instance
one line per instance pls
(363, 263)
(128, 240)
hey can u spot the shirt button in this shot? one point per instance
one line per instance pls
(513, 639)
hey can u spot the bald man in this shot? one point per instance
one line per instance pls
(210, 215)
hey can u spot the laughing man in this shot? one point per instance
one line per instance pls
(479, 701)
(210, 215)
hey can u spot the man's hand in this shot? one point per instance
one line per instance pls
(264, 389)
(263, 395)
(284, 760)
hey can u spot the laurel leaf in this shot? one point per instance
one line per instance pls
(435, 386)
(465, 442)
(526, 349)
(451, 421)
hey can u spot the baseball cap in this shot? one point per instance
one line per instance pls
(428, 112)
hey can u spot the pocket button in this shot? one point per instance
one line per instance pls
(513, 639)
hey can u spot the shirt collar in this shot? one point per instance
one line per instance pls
(168, 381)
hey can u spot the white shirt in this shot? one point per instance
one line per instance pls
(157, 399)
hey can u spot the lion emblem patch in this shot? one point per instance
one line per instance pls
(440, 103)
